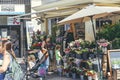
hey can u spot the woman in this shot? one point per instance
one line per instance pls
(2, 73)
(6, 51)
(45, 48)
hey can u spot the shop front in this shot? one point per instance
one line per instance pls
(11, 27)
(12, 32)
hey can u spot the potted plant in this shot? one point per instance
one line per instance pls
(67, 71)
(73, 71)
(90, 74)
(80, 73)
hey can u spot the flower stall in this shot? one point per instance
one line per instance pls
(80, 60)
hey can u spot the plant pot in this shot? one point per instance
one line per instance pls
(89, 77)
(78, 56)
(67, 75)
(60, 74)
(85, 56)
(81, 77)
(95, 77)
(74, 75)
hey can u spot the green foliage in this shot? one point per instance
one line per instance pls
(111, 33)
(116, 43)
(54, 31)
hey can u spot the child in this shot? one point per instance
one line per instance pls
(58, 59)
(31, 61)
(57, 54)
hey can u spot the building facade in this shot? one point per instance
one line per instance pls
(13, 27)
(66, 8)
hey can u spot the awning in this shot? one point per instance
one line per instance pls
(85, 13)
(61, 3)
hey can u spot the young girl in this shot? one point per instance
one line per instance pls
(58, 55)
(58, 59)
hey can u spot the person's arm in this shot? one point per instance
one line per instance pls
(5, 64)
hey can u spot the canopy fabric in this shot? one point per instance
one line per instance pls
(92, 10)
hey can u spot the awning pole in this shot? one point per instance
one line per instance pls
(99, 66)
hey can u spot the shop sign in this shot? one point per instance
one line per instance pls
(13, 21)
(7, 8)
(12, 9)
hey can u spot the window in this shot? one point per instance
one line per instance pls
(14, 1)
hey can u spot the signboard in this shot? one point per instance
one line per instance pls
(13, 21)
(114, 59)
(11, 9)
(7, 8)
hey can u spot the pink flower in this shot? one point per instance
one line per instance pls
(67, 50)
(103, 44)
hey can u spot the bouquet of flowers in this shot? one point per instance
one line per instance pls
(37, 40)
(67, 70)
(67, 50)
(79, 71)
(42, 71)
(73, 69)
(36, 45)
(90, 73)
(103, 43)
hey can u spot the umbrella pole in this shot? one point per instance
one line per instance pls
(99, 66)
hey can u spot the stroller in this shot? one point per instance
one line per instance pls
(31, 72)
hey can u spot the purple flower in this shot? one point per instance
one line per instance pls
(42, 71)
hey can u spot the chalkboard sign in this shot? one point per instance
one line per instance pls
(114, 59)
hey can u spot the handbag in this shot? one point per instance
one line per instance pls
(14, 71)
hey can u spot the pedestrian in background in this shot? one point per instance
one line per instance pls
(2, 55)
(7, 52)
(58, 54)
(51, 47)
(44, 47)
(58, 59)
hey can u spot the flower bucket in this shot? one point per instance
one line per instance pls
(89, 77)
(81, 77)
(40, 79)
(74, 75)
(95, 77)
(59, 69)
(67, 75)
(59, 73)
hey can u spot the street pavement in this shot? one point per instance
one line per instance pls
(49, 76)
(54, 76)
